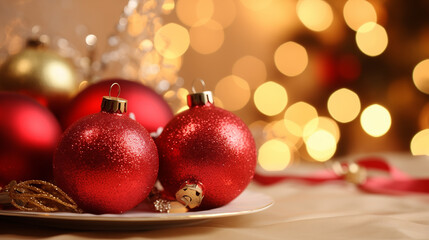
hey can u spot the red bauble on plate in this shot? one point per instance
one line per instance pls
(149, 108)
(28, 135)
(106, 162)
(207, 150)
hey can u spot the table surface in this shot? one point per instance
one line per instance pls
(334, 210)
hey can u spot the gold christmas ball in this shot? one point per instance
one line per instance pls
(40, 73)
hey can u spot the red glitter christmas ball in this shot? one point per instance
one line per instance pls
(148, 108)
(106, 162)
(207, 146)
(29, 133)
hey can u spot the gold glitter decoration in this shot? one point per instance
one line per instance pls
(162, 205)
(38, 196)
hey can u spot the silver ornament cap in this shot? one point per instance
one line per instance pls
(200, 98)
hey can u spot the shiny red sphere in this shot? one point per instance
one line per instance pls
(28, 135)
(209, 145)
(107, 163)
(149, 108)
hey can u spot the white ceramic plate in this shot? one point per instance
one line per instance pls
(248, 202)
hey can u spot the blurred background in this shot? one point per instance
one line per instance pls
(312, 79)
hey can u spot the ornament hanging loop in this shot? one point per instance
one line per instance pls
(199, 98)
(119, 89)
(203, 85)
(114, 104)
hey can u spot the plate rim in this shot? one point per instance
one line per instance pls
(189, 216)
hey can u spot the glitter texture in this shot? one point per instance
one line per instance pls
(209, 145)
(106, 162)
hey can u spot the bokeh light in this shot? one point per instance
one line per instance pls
(278, 130)
(371, 39)
(291, 59)
(206, 38)
(171, 40)
(191, 12)
(358, 12)
(274, 155)
(91, 40)
(218, 102)
(252, 69)
(321, 145)
(420, 143)
(146, 45)
(136, 24)
(168, 6)
(297, 116)
(224, 12)
(182, 94)
(322, 123)
(233, 91)
(375, 120)
(169, 94)
(256, 5)
(268, 17)
(184, 108)
(344, 105)
(174, 63)
(421, 76)
(316, 15)
(270, 98)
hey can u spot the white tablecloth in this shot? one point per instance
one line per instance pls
(335, 210)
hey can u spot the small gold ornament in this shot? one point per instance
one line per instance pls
(351, 172)
(190, 194)
(355, 174)
(40, 73)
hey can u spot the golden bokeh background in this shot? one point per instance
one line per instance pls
(312, 79)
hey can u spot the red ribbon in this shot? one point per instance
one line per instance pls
(397, 182)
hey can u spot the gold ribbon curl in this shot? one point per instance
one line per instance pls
(38, 196)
